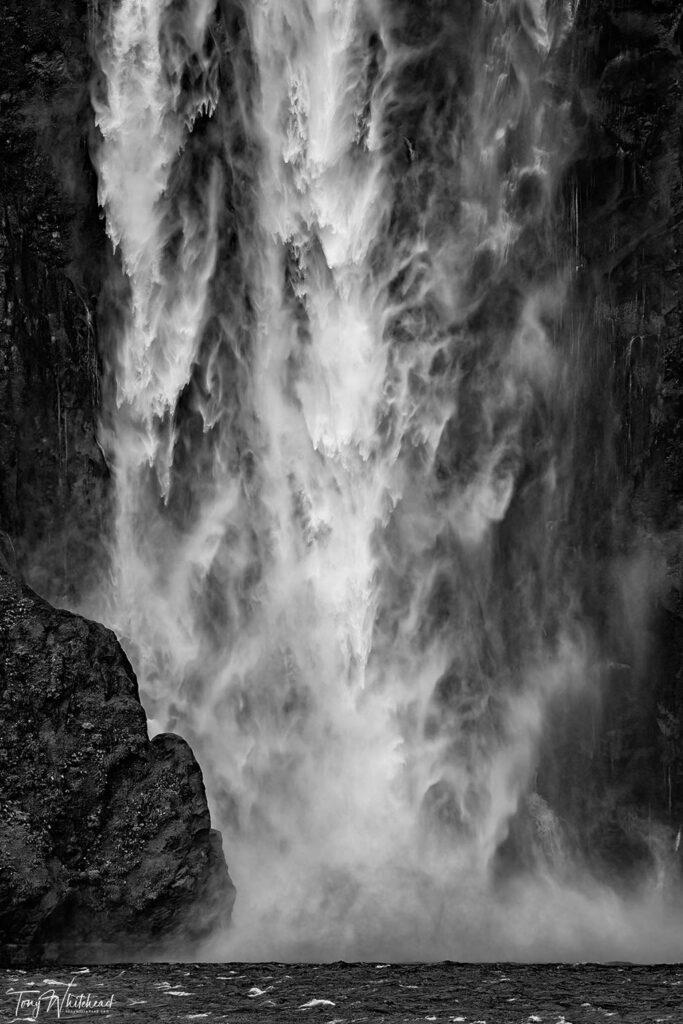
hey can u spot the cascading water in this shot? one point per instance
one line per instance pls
(341, 419)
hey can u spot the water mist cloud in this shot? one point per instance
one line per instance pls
(342, 400)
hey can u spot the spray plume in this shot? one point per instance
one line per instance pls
(341, 431)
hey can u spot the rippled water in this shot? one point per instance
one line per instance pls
(347, 993)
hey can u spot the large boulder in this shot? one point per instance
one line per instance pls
(106, 846)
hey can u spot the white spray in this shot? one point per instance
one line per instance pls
(310, 596)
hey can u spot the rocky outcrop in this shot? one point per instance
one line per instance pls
(106, 847)
(53, 479)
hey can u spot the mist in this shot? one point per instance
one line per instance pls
(345, 409)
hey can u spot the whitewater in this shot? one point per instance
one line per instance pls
(341, 393)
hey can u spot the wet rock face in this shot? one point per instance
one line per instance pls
(612, 758)
(53, 480)
(106, 847)
(633, 242)
(630, 197)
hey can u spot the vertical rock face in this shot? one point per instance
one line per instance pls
(611, 761)
(631, 236)
(52, 475)
(106, 847)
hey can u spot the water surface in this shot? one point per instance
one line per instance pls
(447, 993)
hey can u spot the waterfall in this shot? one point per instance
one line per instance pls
(342, 402)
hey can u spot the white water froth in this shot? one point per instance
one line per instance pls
(143, 128)
(281, 626)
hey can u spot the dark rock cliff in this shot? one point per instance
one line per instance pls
(106, 847)
(53, 480)
(611, 763)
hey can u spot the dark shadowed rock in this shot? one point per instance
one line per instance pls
(106, 846)
(611, 759)
(53, 256)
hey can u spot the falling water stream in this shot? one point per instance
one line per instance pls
(342, 391)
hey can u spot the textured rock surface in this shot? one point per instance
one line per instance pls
(612, 763)
(52, 248)
(106, 846)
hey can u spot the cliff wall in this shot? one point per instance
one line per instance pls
(53, 479)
